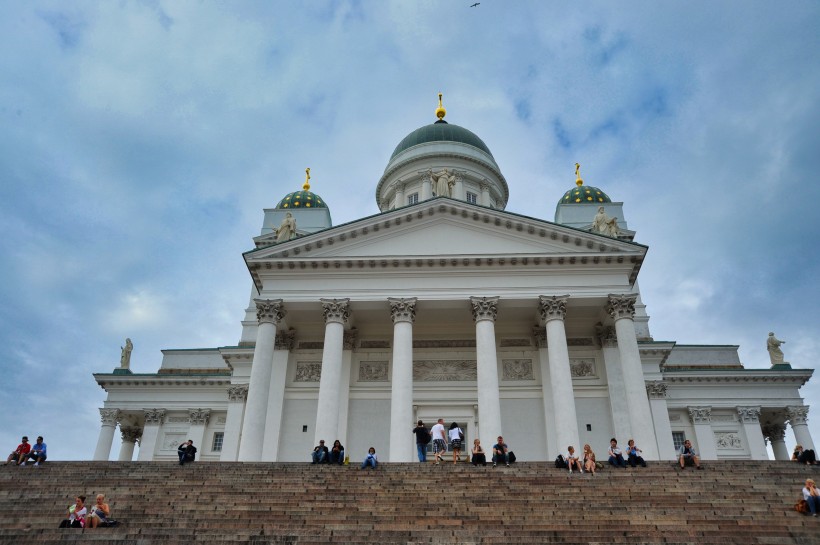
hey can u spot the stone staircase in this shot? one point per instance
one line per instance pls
(277, 503)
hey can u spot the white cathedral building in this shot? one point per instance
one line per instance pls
(446, 305)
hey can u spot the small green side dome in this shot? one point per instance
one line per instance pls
(301, 199)
(584, 194)
(441, 131)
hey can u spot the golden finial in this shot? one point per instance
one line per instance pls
(306, 187)
(440, 111)
(578, 181)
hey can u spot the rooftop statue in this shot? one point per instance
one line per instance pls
(287, 229)
(125, 355)
(443, 182)
(773, 346)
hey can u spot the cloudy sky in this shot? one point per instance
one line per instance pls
(140, 140)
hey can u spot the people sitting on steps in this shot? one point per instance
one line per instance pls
(320, 453)
(337, 453)
(186, 452)
(479, 456)
(615, 457)
(687, 456)
(501, 453)
(812, 497)
(573, 462)
(76, 514)
(804, 456)
(371, 460)
(634, 454)
(18, 455)
(100, 512)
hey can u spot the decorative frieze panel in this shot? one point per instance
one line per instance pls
(308, 371)
(311, 345)
(728, 440)
(172, 440)
(177, 420)
(508, 343)
(580, 341)
(517, 369)
(373, 371)
(583, 368)
(444, 370)
(445, 343)
(374, 344)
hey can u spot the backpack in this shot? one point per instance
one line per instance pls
(511, 456)
(560, 463)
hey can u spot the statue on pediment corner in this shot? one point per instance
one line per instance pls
(773, 346)
(287, 229)
(125, 355)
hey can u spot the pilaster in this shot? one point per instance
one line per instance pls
(237, 395)
(154, 419)
(701, 418)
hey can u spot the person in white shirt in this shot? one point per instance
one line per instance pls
(439, 440)
(456, 436)
(572, 460)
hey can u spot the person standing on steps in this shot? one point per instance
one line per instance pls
(422, 438)
(456, 437)
(439, 440)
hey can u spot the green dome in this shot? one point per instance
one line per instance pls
(301, 199)
(441, 131)
(584, 194)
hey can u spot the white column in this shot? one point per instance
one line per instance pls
(237, 394)
(485, 194)
(776, 435)
(403, 313)
(198, 420)
(109, 419)
(552, 311)
(540, 335)
(458, 190)
(276, 395)
(269, 312)
(622, 310)
(656, 391)
(336, 313)
(344, 383)
(426, 187)
(130, 436)
(798, 420)
(615, 383)
(704, 436)
(485, 310)
(750, 419)
(399, 199)
(150, 434)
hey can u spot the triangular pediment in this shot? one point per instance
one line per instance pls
(444, 228)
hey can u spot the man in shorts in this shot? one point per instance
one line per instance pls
(687, 456)
(20, 453)
(439, 440)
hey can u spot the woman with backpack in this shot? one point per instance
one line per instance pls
(456, 437)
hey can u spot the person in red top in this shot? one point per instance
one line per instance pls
(19, 454)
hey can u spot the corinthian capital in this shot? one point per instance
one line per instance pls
(154, 416)
(656, 389)
(285, 340)
(774, 432)
(238, 392)
(552, 307)
(750, 415)
(700, 415)
(484, 308)
(797, 414)
(621, 306)
(336, 310)
(402, 310)
(109, 417)
(270, 311)
(199, 416)
(131, 435)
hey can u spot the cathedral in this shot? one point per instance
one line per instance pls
(446, 305)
